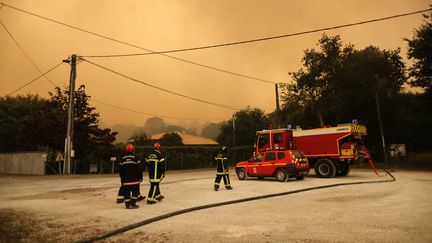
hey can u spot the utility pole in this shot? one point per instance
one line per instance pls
(233, 124)
(69, 133)
(277, 125)
(381, 128)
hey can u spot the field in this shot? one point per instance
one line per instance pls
(75, 208)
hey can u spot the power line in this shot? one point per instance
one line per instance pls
(159, 88)
(43, 74)
(25, 54)
(267, 38)
(135, 46)
(148, 114)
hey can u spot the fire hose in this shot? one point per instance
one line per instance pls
(366, 154)
(192, 209)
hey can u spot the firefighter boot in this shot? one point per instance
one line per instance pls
(132, 205)
(140, 198)
(229, 187)
(160, 197)
(216, 188)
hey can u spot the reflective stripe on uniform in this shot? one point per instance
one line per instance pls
(128, 162)
(131, 183)
(153, 194)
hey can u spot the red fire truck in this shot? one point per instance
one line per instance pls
(330, 150)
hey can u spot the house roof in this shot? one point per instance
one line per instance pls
(188, 139)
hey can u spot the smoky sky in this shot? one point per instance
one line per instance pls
(167, 25)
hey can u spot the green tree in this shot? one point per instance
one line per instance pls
(22, 122)
(420, 51)
(90, 141)
(247, 122)
(313, 84)
(339, 83)
(30, 123)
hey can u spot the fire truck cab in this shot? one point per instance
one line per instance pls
(330, 150)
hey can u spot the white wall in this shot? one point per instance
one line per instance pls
(23, 163)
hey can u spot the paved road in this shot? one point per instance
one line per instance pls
(71, 208)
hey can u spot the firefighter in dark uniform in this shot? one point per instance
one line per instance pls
(131, 176)
(121, 192)
(156, 170)
(222, 169)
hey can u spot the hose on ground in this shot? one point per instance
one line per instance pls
(192, 209)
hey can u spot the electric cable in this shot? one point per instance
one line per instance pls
(33, 80)
(135, 46)
(150, 114)
(23, 51)
(268, 38)
(213, 205)
(159, 88)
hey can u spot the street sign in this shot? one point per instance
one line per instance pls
(59, 157)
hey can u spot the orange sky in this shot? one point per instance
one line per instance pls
(165, 25)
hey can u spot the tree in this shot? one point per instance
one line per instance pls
(140, 138)
(420, 51)
(89, 141)
(22, 123)
(211, 130)
(312, 84)
(171, 139)
(339, 83)
(154, 125)
(247, 122)
(32, 123)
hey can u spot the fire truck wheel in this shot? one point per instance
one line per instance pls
(281, 175)
(345, 171)
(242, 174)
(325, 168)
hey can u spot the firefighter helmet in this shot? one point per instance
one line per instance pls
(156, 146)
(130, 148)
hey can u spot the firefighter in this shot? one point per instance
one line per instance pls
(156, 169)
(222, 169)
(131, 176)
(121, 192)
